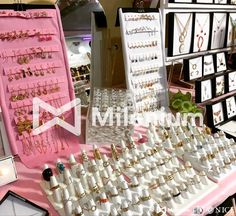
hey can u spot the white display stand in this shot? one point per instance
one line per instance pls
(143, 52)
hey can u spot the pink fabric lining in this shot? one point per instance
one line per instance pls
(64, 139)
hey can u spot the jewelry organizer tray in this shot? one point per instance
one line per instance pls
(137, 185)
(33, 63)
(109, 103)
(143, 53)
(94, 188)
(214, 155)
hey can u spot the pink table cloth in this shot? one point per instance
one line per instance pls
(29, 179)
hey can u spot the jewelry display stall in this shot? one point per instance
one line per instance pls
(139, 158)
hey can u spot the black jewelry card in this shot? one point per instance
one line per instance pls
(208, 65)
(220, 62)
(231, 81)
(180, 33)
(192, 68)
(203, 90)
(219, 86)
(218, 31)
(201, 32)
(231, 107)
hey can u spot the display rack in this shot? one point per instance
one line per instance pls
(38, 67)
(143, 54)
(166, 8)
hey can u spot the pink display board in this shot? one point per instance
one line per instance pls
(33, 63)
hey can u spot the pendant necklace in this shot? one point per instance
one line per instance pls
(201, 34)
(232, 81)
(231, 104)
(217, 117)
(206, 96)
(218, 29)
(182, 32)
(220, 88)
(194, 68)
(220, 61)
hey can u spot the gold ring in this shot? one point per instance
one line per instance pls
(134, 186)
(146, 198)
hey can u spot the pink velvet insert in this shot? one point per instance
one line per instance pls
(31, 149)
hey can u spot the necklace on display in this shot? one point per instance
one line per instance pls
(201, 34)
(220, 87)
(232, 81)
(208, 66)
(231, 107)
(183, 32)
(218, 28)
(217, 117)
(221, 62)
(206, 96)
(194, 69)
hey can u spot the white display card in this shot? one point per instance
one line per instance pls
(220, 1)
(218, 115)
(221, 62)
(233, 2)
(204, 1)
(201, 32)
(218, 30)
(183, 1)
(220, 85)
(195, 68)
(206, 90)
(231, 107)
(232, 81)
(231, 35)
(182, 33)
(208, 65)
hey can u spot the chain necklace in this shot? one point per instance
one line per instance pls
(232, 80)
(201, 34)
(182, 32)
(206, 93)
(220, 87)
(231, 107)
(221, 62)
(217, 116)
(218, 28)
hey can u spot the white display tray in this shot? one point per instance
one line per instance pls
(196, 165)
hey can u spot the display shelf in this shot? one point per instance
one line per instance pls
(198, 6)
(143, 57)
